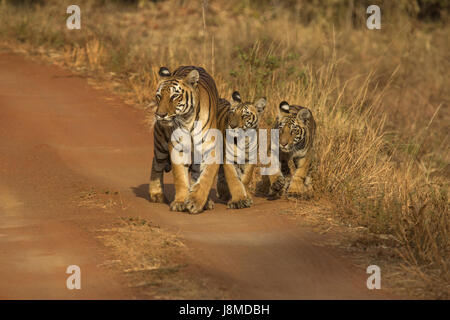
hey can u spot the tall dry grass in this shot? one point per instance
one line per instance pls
(380, 97)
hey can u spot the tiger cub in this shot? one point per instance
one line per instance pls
(297, 128)
(233, 179)
(184, 97)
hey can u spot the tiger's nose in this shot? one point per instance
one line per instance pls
(161, 115)
(283, 143)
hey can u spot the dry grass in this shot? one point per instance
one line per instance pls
(152, 261)
(107, 200)
(380, 97)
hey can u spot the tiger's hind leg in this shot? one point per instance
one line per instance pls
(156, 187)
(209, 204)
(223, 192)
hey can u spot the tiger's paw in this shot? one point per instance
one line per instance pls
(277, 188)
(299, 191)
(240, 204)
(274, 195)
(209, 205)
(193, 206)
(177, 206)
(158, 198)
(262, 188)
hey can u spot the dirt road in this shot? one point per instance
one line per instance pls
(58, 134)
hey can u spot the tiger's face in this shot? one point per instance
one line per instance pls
(293, 125)
(244, 115)
(176, 97)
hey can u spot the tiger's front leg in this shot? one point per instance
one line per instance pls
(195, 173)
(280, 180)
(277, 185)
(222, 190)
(263, 186)
(239, 196)
(300, 185)
(274, 185)
(199, 192)
(181, 181)
(156, 187)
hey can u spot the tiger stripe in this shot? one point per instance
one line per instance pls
(233, 178)
(297, 129)
(185, 97)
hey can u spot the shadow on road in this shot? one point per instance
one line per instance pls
(141, 191)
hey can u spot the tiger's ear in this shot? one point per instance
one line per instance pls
(284, 108)
(164, 72)
(236, 97)
(304, 114)
(192, 78)
(261, 104)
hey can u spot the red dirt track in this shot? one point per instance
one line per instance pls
(58, 134)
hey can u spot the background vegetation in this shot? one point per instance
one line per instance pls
(380, 97)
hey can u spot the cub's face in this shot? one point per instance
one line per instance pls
(292, 126)
(245, 115)
(175, 97)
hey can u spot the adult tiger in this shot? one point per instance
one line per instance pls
(233, 179)
(184, 98)
(297, 128)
